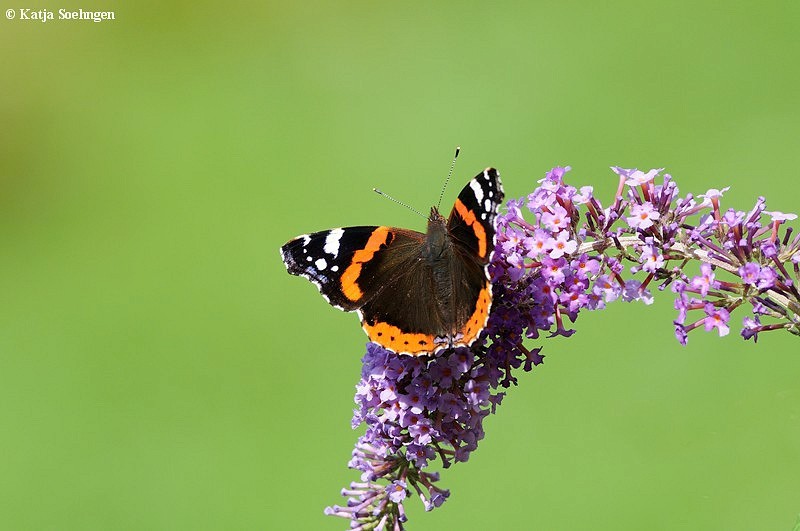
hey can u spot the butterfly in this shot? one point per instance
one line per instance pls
(414, 293)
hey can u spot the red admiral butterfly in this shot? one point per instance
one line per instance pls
(415, 293)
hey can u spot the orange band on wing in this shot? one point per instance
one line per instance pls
(391, 337)
(417, 344)
(477, 228)
(478, 318)
(349, 280)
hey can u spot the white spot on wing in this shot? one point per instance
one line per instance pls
(476, 189)
(335, 268)
(321, 264)
(332, 242)
(488, 205)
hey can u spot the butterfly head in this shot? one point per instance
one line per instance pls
(434, 215)
(436, 221)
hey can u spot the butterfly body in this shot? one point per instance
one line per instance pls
(415, 293)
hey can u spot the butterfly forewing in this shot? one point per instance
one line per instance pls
(329, 257)
(471, 228)
(471, 223)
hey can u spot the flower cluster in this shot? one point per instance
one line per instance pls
(559, 251)
(756, 258)
(419, 409)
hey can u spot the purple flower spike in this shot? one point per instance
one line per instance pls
(565, 253)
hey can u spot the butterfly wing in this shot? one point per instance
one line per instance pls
(378, 271)
(332, 260)
(403, 313)
(471, 222)
(471, 229)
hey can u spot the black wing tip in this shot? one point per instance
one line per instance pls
(492, 173)
(288, 258)
(290, 264)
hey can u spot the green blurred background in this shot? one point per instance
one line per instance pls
(160, 370)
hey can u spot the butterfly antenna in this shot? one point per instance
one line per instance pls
(390, 198)
(449, 174)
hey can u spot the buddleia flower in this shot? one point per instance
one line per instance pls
(559, 251)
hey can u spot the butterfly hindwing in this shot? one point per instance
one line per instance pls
(404, 311)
